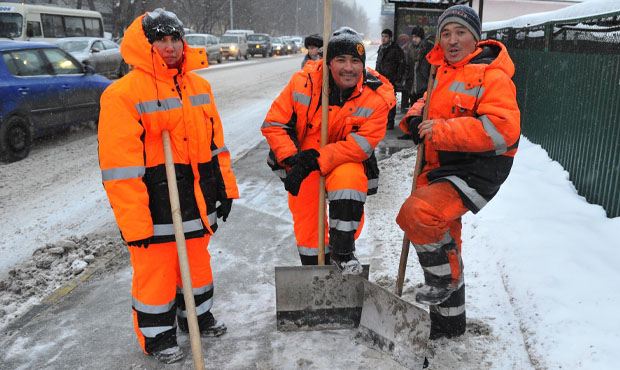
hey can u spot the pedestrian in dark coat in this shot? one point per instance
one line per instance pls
(390, 61)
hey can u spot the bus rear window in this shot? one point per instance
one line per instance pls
(11, 25)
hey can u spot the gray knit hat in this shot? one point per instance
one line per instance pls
(463, 15)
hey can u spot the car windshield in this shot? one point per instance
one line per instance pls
(276, 40)
(11, 25)
(195, 40)
(257, 38)
(74, 45)
(228, 39)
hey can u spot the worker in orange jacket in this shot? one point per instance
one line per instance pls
(359, 101)
(162, 93)
(471, 137)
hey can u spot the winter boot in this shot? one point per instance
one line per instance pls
(209, 327)
(437, 293)
(347, 263)
(212, 327)
(169, 355)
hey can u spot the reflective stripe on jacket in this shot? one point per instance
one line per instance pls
(354, 130)
(477, 122)
(134, 112)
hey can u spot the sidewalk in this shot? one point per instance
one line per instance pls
(91, 327)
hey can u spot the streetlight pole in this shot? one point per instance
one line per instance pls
(297, 17)
(232, 27)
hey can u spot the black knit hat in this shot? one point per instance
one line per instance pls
(346, 41)
(388, 32)
(463, 15)
(160, 23)
(417, 31)
(313, 40)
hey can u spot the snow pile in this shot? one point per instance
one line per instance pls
(582, 10)
(50, 267)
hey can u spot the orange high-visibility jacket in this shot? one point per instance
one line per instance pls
(134, 112)
(354, 130)
(477, 122)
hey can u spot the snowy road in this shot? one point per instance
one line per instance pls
(56, 192)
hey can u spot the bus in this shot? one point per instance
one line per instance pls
(46, 23)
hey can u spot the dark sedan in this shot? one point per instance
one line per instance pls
(42, 88)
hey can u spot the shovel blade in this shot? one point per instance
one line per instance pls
(393, 325)
(318, 298)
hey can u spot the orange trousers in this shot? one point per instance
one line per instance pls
(156, 283)
(346, 186)
(430, 212)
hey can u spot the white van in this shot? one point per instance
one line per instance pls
(47, 23)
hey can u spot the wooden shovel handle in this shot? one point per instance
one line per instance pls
(404, 254)
(179, 235)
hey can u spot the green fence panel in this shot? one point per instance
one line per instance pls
(570, 105)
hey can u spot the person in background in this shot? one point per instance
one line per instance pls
(313, 43)
(162, 93)
(470, 140)
(416, 71)
(390, 60)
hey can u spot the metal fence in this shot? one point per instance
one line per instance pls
(568, 88)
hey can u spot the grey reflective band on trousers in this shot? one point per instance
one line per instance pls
(152, 106)
(219, 150)
(307, 251)
(498, 140)
(153, 331)
(197, 291)
(459, 87)
(349, 194)
(122, 173)
(152, 309)
(363, 143)
(363, 112)
(168, 229)
(344, 226)
(373, 183)
(273, 124)
(433, 247)
(468, 191)
(202, 308)
(439, 270)
(212, 217)
(301, 98)
(448, 311)
(200, 99)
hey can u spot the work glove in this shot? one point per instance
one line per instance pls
(412, 124)
(305, 164)
(223, 210)
(144, 243)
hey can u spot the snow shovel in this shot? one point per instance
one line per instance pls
(179, 235)
(319, 297)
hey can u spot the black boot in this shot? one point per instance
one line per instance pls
(209, 326)
(348, 264)
(169, 355)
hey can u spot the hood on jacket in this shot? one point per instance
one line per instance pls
(490, 52)
(139, 53)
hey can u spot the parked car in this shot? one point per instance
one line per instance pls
(278, 46)
(234, 46)
(42, 88)
(259, 43)
(210, 42)
(102, 54)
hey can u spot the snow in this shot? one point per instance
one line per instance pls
(581, 10)
(540, 262)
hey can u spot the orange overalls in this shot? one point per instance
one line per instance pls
(294, 122)
(134, 111)
(468, 157)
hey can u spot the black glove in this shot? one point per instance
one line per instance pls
(223, 210)
(144, 243)
(412, 123)
(306, 163)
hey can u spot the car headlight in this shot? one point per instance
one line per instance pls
(233, 47)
